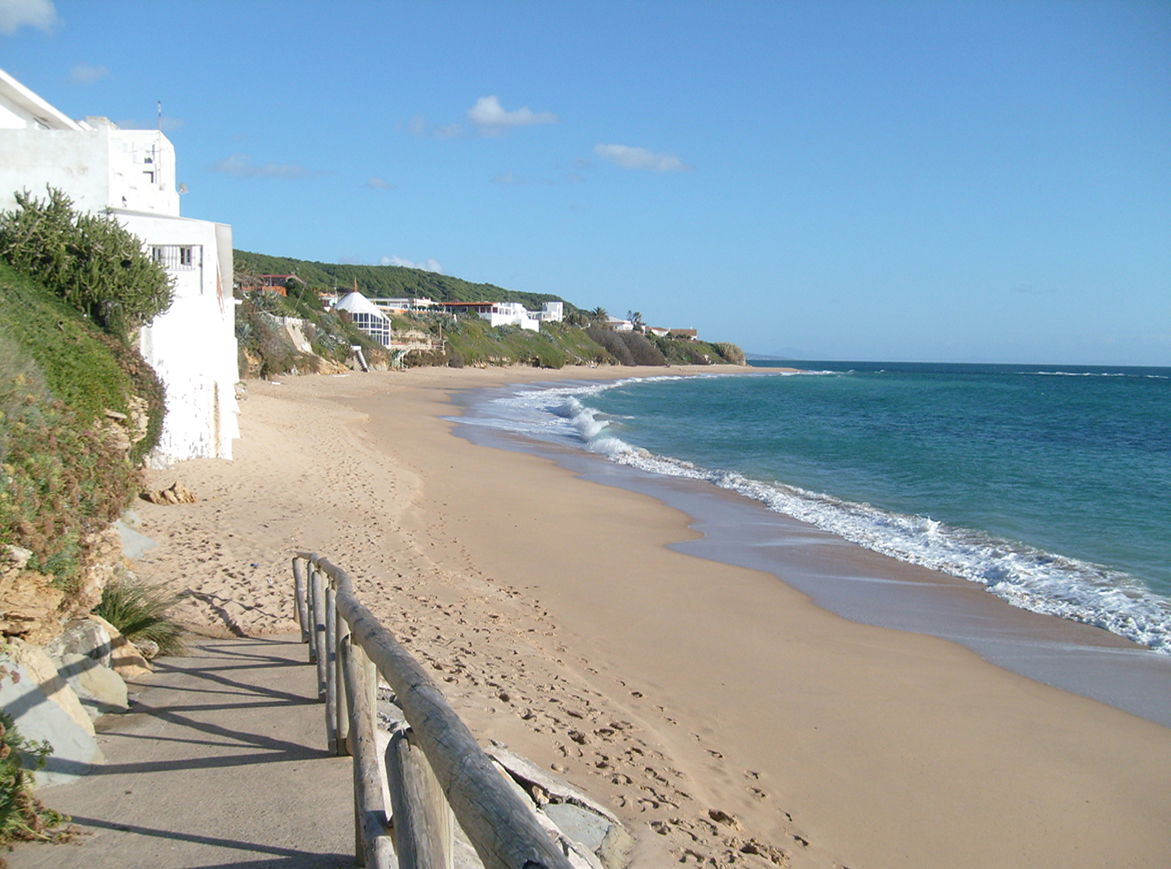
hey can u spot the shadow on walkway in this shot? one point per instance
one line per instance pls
(220, 761)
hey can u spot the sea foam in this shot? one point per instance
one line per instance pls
(1025, 576)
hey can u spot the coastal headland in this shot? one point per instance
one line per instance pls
(718, 711)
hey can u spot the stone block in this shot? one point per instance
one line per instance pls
(39, 717)
(99, 688)
(126, 660)
(87, 637)
(41, 669)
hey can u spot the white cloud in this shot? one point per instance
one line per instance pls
(88, 73)
(489, 115)
(629, 157)
(15, 14)
(429, 265)
(379, 183)
(419, 126)
(241, 166)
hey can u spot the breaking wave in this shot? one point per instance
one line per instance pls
(1025, 576)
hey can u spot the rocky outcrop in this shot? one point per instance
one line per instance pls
(54, 692)
(103, 563)
(95, 659)
(30, 606)
(176, 493)
(126, 659)
(45, 707)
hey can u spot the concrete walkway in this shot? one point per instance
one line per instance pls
(221, 761)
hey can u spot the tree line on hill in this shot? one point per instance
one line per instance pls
(584, 337)
(390, 282)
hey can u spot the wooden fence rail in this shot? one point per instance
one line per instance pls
(433, 766)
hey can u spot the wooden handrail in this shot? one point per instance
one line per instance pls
(433, 767)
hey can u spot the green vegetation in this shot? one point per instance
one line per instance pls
(62, 475)
(23, 818)
(266, 350)
(472, 341)
(139, 612)
(628, 348)
(582, 339)
(468, 340)
(72, 287)
(392, 282)
(89, 260)
(88, 370)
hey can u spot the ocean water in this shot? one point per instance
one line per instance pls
(1047, 485)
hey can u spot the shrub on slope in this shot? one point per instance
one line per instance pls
(62, 475)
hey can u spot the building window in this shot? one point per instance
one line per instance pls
(177, 257)
(377, 328)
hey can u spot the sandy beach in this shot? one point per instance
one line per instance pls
(722, 715)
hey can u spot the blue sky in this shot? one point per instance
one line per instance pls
(935, 181)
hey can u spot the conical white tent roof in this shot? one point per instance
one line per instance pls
(356, 303)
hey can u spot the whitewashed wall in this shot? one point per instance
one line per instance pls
(193, 345)
(99, 166)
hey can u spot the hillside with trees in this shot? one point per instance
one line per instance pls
(582, 339)
(392, 282)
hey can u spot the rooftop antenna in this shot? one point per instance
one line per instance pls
(159, 115)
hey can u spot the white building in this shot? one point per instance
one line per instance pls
(403, 305)
(131, 175)
(508, 313)
(366, 316)
(512, 314)
(552, 312)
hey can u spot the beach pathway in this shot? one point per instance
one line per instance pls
(221, 761)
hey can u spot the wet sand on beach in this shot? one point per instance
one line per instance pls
(717, 711)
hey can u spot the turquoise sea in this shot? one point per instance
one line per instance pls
(1047, 485)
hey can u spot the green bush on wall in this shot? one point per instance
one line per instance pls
(89, 260)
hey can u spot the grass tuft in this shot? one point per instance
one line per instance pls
(140, 612)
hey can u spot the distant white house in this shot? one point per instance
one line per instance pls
(552, 312)
(512, 314)
(403, 305)
(130, 174)
(619, 325)
(496, 313)
(366, 316)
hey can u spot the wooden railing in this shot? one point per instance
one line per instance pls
(433, 766)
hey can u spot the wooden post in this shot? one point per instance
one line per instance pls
(421, 817)
(499, 824)
(301, 603)
(373, 844)
(317, 619)
(331, 680)
(342, 721)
